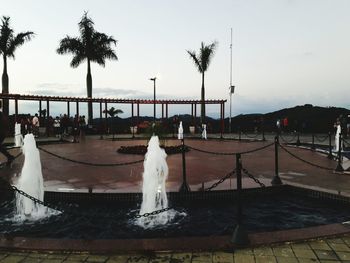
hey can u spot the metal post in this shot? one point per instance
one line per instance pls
(184, 187)
(313, 142)
(223, 120)
(330, 155)
(339, 167)
(240, 235)
(298, 140)
(276, 180)
(239, 133)
(263, 132)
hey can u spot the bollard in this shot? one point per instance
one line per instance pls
(240, 235)
(298, 140)
(330, 155)
(184, 186)
(263, 135)
(313, 142)
(239, 134)
(276, 180)
(339, 167)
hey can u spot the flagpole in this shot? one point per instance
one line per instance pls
(230, 120)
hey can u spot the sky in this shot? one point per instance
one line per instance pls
(284, 52)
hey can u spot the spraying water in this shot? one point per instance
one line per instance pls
(18, 136)
(30, 181)
(153, 189)
(180, 135)
(337, 135)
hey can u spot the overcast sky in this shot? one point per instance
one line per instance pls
(285, 52)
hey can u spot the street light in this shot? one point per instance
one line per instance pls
(154, 98)
(232, 90)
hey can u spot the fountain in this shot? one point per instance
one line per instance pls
(337, 134)
(204, 131)
(30, 181)
(18, 136)
(153, 188)
(180, 135)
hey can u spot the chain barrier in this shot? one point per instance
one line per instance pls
(251, 136)
(90, 164)
(346, 142)
(288, 141)
(223, 179)
(256, 180)
(323, 138)
(300, 159)
(230, 153)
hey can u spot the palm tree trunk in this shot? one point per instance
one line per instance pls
(89, 91)
(5, 87)
(202, 101)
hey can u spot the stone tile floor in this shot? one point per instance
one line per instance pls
(323, 250)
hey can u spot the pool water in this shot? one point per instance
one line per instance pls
(194, 218)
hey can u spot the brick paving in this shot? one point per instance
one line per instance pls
(321, 250)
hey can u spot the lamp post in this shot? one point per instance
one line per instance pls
(232, 90)
(154, 98)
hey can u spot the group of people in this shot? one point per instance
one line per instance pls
(342, 125)
(3, 133)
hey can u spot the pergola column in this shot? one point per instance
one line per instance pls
(68, 109)
(16, 109)
(40, 109)
(132, 120)
(167, 110)
(106, 116)
(100, 122)
(77, 108)
(162, 111)
(47, 118)
(195, 115)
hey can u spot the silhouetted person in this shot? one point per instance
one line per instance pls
(3, 132)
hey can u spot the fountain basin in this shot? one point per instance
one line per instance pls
(286, 212)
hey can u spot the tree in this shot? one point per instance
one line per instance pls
(112, 112)
(9, 42)
(91, 46)
(202, 61)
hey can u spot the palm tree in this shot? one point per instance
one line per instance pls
(202, 61)
(91, 46)
(112, 112)
(9, 42)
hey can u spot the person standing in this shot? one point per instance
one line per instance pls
(3, 132)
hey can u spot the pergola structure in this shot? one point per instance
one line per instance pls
(103, 102)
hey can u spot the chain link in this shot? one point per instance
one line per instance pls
(230, 153)
(323, 138)
(90, 164)
(288, 141)
(223, 179)
(249, 136)
(256, 180)
(300, 159)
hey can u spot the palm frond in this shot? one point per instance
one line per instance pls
(6, 34)
(77, 60)
(195, 59)
(17, 41)
(70, 45)
(206, 54)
